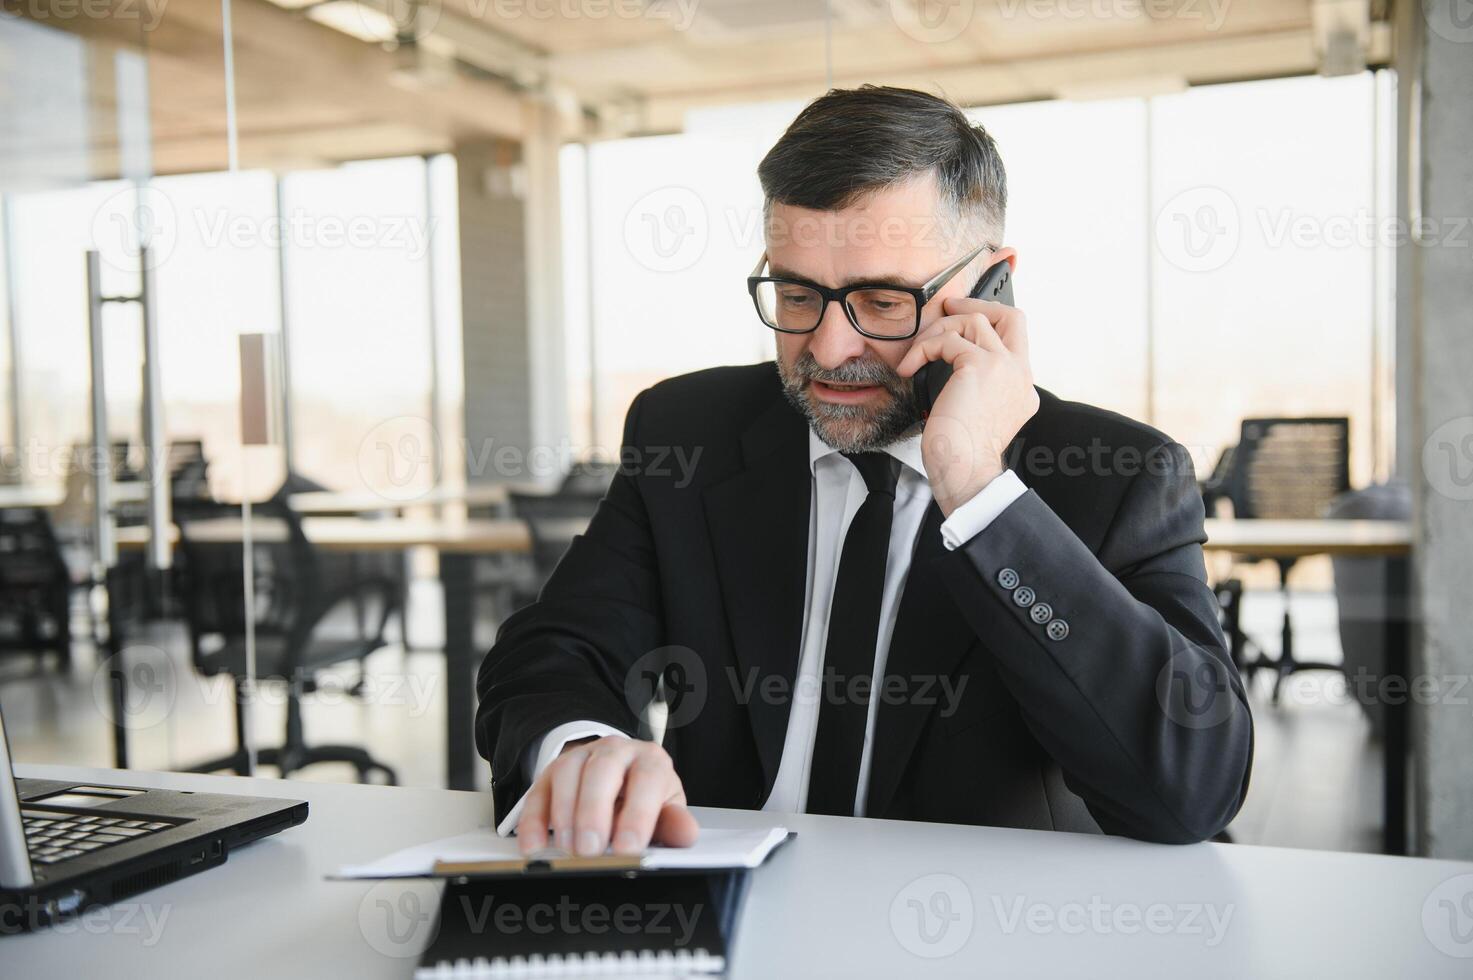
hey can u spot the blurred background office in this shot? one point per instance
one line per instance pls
(321, 320)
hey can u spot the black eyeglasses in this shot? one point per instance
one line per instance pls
(877, 310)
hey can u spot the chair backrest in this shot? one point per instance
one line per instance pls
(590, 478)
(30, 554)
(548, 517)
(210, 577)
(1289, 467)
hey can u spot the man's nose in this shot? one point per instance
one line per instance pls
(835, 341)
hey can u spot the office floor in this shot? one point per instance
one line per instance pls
(1315, 784)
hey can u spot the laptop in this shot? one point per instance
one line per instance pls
(67, 846)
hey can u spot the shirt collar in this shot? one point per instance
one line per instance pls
(907, 450)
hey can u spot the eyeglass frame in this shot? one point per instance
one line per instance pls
(922, 294)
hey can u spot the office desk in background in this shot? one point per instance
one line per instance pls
(847, 898)
(458, 542)
(1352, 539)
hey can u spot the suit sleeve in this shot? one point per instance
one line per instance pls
(575, 653)
(1116, 659)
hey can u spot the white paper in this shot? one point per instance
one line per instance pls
(715, 848)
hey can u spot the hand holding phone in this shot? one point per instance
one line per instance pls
(996, 285)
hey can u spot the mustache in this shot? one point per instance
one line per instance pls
(861, 372)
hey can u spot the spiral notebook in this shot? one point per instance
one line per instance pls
(669, 912)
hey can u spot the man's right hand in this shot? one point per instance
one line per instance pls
(604, 790)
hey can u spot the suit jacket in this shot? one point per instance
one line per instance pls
(1129, 718)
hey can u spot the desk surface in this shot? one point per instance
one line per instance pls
(480, 535)
(841, 900)
(1296, 539)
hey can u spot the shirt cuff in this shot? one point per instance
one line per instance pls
(550, 748)
(972, 517)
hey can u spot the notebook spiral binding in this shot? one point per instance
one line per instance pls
(645, 963)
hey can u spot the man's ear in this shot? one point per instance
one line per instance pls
(1005, 254)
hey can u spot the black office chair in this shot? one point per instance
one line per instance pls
(296, 588)
(35, 587)
(1281, 468)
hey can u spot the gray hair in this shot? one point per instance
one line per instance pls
(849, 143)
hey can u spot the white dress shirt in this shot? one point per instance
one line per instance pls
(838, 492)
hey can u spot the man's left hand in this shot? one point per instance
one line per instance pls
(988, 398)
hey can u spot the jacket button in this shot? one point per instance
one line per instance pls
(1007, 578)
(1023, 596)
(1041, 613)
(1057, 630)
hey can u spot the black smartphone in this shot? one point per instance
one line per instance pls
(996, 285)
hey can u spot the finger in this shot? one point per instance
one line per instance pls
(1012, 329)
(973, 326)
(650, 782)
(948, 346)
(532, 825)
(563, 776)
(677, 826)
(603, 779)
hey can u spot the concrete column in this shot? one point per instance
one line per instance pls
(1435, 328)
(516, 420)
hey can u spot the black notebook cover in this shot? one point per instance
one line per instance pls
(667, 924)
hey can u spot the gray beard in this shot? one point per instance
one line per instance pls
(852, 428)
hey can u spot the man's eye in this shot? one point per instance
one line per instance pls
(796, 298)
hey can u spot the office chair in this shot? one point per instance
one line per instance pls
(1281, 468)
(295, 591)
(35, 586)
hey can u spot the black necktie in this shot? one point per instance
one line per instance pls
(854, 625)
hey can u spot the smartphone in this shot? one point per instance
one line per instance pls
(996, 285)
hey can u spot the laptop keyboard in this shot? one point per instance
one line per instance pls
(52, 837)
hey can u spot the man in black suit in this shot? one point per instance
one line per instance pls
(999, 616)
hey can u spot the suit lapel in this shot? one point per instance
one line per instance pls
(759, 528)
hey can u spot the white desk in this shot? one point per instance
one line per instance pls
(822, 906)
